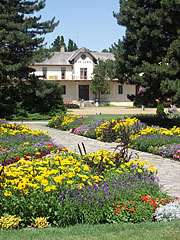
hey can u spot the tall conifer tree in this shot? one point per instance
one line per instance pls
(21, 38)
(152, 29)
(21, 43)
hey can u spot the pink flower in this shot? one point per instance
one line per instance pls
(142, 90)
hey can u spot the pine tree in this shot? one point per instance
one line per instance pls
(21, 41)
(152, 26)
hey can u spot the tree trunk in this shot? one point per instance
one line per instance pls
(99, 97)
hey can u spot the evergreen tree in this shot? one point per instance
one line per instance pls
(99, 83)
(21, 42)
(71, 46)
(62, 43)
(56, 45)
(152, 26)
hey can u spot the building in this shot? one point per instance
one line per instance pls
(73, 71)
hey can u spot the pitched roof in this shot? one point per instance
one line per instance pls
(65, 58)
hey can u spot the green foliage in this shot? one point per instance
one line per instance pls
(31, 97)
(22, 43)
(59, 42)
(71, 46)
(149, 53)
(160, 109)
(99, 83)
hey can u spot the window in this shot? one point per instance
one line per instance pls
(63, 89)
(120, 89)
(44, 71)
(83, 73)
(63, 73)
(83, 56)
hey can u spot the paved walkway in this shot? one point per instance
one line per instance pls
(169, 170)
(114, 110)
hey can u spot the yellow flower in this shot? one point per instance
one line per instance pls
(7, 193)
(47, 189)
(139, 170)
(122, 166)
(70, 182)
(44, 182)
(86, 167)
(26, 191)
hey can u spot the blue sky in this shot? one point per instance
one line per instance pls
(89, 23)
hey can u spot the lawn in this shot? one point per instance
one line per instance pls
(128, 231)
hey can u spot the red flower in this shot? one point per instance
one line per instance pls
(176, 198)
(155, 204)
(152, 202)
(154, 208)
(117, 211)
(155, 148)
(132, 209)
(115, 204)
(124, 208)
(118, 206)
(166, 201)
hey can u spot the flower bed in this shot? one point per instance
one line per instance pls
(153, 139)
(58, 187)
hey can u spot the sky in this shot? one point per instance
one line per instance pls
(89, 23)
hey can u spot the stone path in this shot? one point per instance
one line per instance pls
(169, 170)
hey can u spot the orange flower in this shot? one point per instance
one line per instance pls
(132, 209)
(124, 208)
(155, 148)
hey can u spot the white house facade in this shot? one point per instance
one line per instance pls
(74, 72)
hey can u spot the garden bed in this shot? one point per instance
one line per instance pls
(52, 186)
(140, 136)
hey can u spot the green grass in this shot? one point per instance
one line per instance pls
(125, 231)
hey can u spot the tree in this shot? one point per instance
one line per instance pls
(99, 83)
(71, 46)
(21, 42)
(58, 43)
(152, 28)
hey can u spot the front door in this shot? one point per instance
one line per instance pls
(84, 92)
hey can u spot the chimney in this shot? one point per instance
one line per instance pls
(62, 49)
